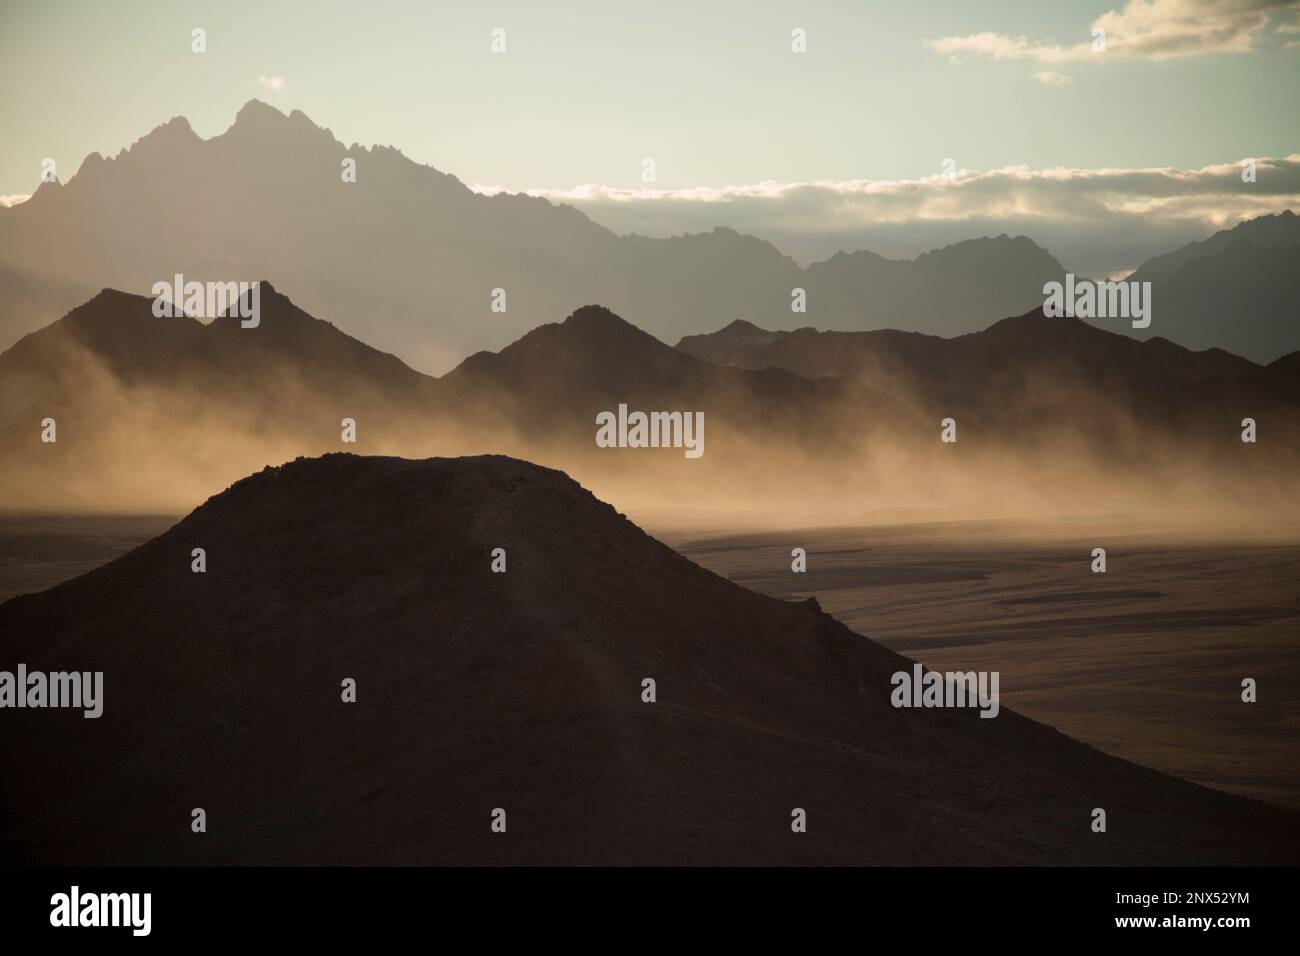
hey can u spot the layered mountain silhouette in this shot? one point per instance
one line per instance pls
(1282, 229)
(1033, 374)
(521, 691)
(1017, 363)
(1238, 290)
(959, 288)
(407, 257)
(138, 348)
(145, 405)
(126, 387)
(559, 376)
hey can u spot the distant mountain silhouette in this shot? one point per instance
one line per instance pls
(1018, 363)
(559, 376)
(152, 402)
(1238, 290)
(1033, 379)
(407, 257)
(959, 288)
(290, 367)
(1282, 229)
(521, 691)
(121, 330)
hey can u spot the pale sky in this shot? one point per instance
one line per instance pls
(712, 92)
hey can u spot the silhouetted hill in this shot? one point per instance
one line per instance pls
(1041, 388)
(680, 285)
(214, 400)
(1282, 229)
(959, 288)
(147, 407)
(521, 691)
(405, 257)
(1238, 290)
(121, 335)
(559, 376)
(1288, 365)
(1016, 364)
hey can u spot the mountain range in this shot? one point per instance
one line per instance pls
(1239, 290)
(408, 258)
(1016, 364)
(147, 405)
(125, 387)
(1050, 390)
(522, 692)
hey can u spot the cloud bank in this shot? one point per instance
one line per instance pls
(1100, 221)
(1143, 29)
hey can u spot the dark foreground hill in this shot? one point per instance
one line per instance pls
(521, 691)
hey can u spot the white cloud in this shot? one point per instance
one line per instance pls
(271, 82)
(1145, 29)
(1052, 78)
(995, 46)
(1058, 194)
(14, 200)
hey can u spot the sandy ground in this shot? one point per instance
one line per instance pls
(1145, 661)
(40, 551)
